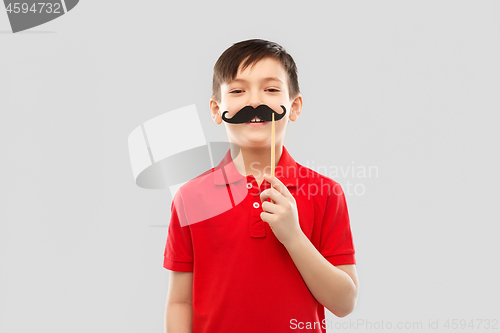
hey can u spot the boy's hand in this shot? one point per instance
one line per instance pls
(282, 215)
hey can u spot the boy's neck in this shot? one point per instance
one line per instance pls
(255, 161)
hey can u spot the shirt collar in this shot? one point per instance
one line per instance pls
(286, 170)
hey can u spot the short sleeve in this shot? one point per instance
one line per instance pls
(178, 250)
(336, 243)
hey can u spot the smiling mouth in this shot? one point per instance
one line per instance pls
(256, 120)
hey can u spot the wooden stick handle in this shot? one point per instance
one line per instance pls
(272, 150)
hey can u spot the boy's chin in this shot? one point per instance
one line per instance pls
(256, 144)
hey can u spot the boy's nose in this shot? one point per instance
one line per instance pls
(254, 101)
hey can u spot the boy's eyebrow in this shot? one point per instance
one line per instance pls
(266, 79)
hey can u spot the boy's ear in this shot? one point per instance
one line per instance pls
(215, 111)
(296, 107)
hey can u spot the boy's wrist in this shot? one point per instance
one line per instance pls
(297, 241)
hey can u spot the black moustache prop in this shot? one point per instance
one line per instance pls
(263, 112)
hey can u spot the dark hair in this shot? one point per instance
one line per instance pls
(226, 67)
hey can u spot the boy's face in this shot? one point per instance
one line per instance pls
(265, 82)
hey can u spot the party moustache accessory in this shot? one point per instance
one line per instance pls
(247, 113)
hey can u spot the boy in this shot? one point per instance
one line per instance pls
(259, 265)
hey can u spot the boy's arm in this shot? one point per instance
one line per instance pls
(335, 287)
(179, 305)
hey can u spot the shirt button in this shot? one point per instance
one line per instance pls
(249, 185)
(255, 205)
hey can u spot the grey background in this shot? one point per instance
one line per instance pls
(410, 87)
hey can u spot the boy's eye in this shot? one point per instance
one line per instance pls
(236, 91)
(273, 90)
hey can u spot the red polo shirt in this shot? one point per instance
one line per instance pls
(244, 280)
